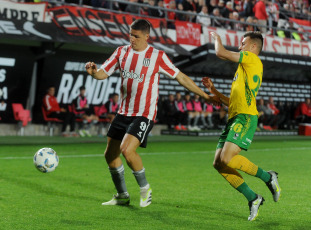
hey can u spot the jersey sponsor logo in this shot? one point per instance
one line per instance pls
(236, 135)
(132, 75)
(146, 62)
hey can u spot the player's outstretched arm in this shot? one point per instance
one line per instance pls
(91, 69)
(189, 84)
(207, 82)
(222, 52)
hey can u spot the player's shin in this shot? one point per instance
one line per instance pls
(117, 175)
(236, 181)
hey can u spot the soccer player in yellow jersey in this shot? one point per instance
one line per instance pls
(242, 120)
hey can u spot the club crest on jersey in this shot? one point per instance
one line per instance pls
(146, 62)
(132, 75)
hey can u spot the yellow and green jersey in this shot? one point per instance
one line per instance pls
(246, 83)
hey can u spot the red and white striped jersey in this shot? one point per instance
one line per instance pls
(140, 78)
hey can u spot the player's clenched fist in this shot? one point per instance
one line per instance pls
(91, 68)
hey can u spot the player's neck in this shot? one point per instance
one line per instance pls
(142, 49)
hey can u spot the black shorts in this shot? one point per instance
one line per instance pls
(139, 127)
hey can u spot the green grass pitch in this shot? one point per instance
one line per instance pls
(187, 192)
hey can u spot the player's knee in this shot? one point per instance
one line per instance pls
(126, 151)
(225, 160)
(217, 165)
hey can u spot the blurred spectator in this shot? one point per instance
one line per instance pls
(189, 7)
(203, 17)
(181, 113)
(54, 110)
(261, 14)
(180, 16)
(227, 10)
(249, 27)
(173, 117)
(198, 108)
(274, 14)
(211, 6)
(264, 115)
(112, 106)
(207, 115)
(132, 8)
(275, 111)
(220, 115)
(303, 112)
(221, 5)
(192, 114)
(247, 9)
(155, 12)
(217, 22)
(171, 15)
(144, 10)
(83, 110)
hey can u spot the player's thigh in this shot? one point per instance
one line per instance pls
(228, 152)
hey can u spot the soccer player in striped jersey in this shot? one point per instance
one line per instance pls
(242, 120)
(140, 65)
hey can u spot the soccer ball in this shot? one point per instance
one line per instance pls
(46, 160)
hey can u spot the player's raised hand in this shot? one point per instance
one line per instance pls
(91, 68)
(214, 35)
(207, 82)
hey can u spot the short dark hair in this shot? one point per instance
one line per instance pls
(142, 25)
(257, 37)
(82, 88)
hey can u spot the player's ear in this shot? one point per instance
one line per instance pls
(147, 37)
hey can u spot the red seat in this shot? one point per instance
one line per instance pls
(100, 111)
(21, 114)
(50, 120)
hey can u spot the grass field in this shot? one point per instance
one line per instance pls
(187, 192)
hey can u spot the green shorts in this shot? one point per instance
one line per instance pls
(239, 130)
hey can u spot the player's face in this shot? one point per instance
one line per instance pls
(138, 40)
(246, 45)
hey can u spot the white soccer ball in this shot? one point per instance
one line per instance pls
(46, 160)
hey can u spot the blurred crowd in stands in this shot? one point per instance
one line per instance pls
(193, 114)
(243, 15)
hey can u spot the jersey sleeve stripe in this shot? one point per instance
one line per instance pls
(113, 61)
(122, 79)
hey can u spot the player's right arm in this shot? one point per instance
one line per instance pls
(222, 52)
(207, 82)
(91, 69)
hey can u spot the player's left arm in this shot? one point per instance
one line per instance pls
(222, 52)
(189, 84)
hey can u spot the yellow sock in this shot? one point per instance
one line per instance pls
(242, 163)
(232, 176)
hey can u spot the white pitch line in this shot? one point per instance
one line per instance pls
(159, 153)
